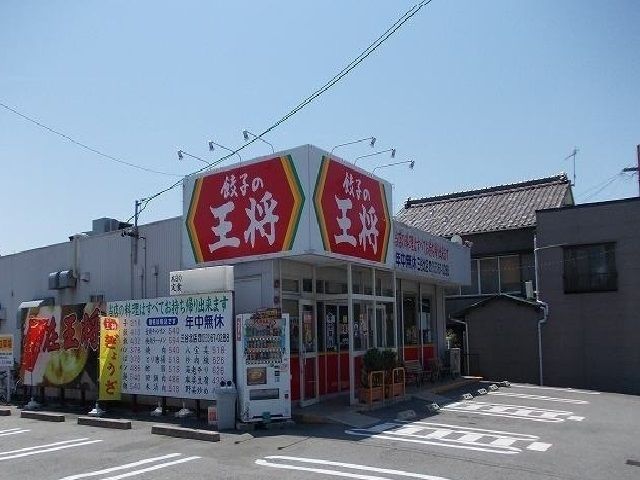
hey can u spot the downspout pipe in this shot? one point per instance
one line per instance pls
(542, 321)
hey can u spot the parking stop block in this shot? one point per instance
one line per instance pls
(44, 416)
(182, 432)
(116, 423)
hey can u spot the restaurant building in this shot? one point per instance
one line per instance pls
(305, 231)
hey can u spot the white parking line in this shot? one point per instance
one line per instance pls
(528, 396)
(453, 436)
(133, 473)
(512, 411)
(13, 431)
(352, 470)
(52, 447)
(568, 390)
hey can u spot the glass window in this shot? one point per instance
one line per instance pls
(380, 319)
(389, 326)
(384, 283)
(320, 326)
(510, 281)
(291, 307)
(489, 275)
(319, 286)
(331, 319)
(425, 320)
(473, 288)
(361, 278)
(411, 331)
(307, 285)
(590, 268)
(361, 325)
(290, 285)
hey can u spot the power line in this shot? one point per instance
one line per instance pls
(405, 17)
(82, 145)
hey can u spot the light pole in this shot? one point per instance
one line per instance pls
(246, 133)
(372, 142)
(392, 150)
(213, 145)
(411, 163)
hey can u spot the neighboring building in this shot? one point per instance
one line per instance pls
(589, 272)
(306, 232)
(502, 330)
(500, 224)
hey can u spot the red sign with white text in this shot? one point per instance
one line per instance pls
(252, 209)
(352, 212)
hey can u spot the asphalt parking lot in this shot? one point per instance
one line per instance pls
(522, 432)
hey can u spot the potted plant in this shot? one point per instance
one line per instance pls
(394, 375)
(372, 377)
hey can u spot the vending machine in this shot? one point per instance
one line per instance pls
(262, 362)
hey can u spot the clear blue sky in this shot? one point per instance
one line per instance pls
(478, 93)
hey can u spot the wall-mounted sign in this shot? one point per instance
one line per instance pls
(262, 209)
(179, 346)
(251, 209)
(352, 212)
(429, 256)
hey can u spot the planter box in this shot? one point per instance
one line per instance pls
(394, 390)
(370, 395)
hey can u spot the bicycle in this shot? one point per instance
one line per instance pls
(13, 386)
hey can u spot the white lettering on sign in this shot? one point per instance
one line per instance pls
(344, 205)
(223, 228)
(369, 233)
(261, 214)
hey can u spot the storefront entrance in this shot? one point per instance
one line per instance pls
(333, 332)
(308, 347)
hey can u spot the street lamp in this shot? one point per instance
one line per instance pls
(410, 162)
(246, 133)
(182, 154)
(372, 142)
(392, 150)
(212, 148)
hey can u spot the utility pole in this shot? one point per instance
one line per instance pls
(636, 168)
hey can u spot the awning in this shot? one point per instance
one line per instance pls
(36, 303)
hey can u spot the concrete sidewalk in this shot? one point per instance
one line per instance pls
(337, 410)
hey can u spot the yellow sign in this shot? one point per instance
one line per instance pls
(110, 364)
(6, 351)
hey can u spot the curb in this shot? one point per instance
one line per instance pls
(105, 422)
(455, 384)
(182, 432)
(45, 416)
(5, 412)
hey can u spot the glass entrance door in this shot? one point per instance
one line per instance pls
(308, 354)
(336, 349)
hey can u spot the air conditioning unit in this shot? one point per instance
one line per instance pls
(61, 280)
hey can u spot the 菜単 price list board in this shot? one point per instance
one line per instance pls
(177, 346)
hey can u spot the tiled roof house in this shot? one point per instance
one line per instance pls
(500, 223)
(503, 207)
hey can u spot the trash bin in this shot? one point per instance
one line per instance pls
(226, 398)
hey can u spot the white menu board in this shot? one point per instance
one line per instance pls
(178, 346)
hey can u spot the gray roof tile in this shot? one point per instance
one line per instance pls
(503, 207)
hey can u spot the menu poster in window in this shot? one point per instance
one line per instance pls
(331, 331)
(178, 346)
(344, 332)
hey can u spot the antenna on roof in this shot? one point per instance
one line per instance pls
(573, 155)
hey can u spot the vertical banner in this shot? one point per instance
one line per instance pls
(110, 359)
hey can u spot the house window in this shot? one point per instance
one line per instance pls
(491, 275)
(489, 279)
(510, 281)
(473, 288)
(590, 268)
